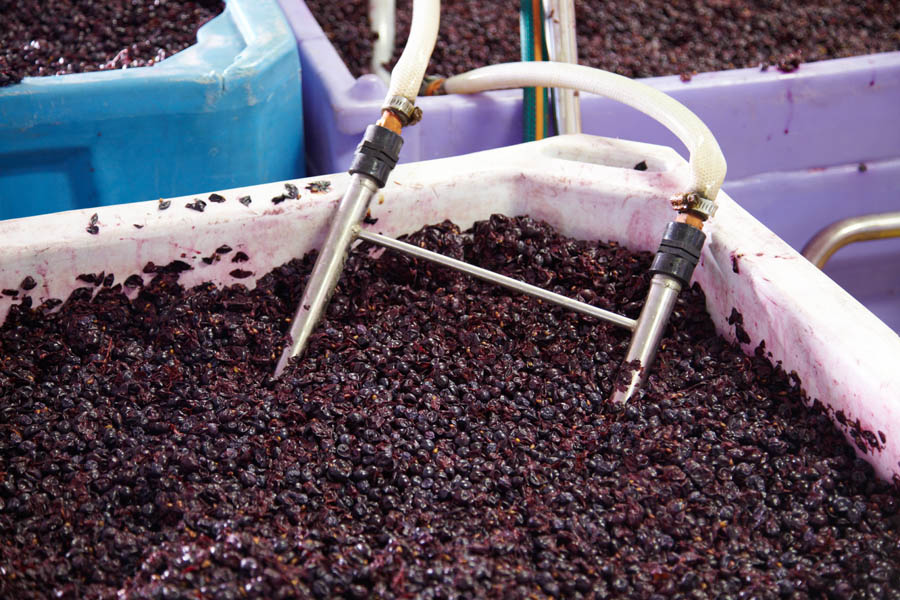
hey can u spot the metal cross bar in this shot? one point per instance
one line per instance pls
(502, 280)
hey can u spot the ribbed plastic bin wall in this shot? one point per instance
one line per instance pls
(226, 111)
(794, 141)
(584, 186)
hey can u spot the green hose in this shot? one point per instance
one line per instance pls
(535, 101)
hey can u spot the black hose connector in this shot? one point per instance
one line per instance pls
(679, 251)
(377, 154)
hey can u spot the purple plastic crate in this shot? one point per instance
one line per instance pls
(826, 113)
(793, 141)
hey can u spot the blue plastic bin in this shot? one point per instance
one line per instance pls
(224, 112)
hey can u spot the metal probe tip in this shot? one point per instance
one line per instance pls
(376, 155)
(651, 325)
(672, 267)
(328, 267)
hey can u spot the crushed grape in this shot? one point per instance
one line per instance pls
(440, 438)
(56, 37)
(636, 39)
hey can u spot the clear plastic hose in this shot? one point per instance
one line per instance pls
(563, 47)
(406, 77)
(383, 15)
(706, 159)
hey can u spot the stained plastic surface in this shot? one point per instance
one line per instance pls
(585, 186)
(796, 205)
(226, 111)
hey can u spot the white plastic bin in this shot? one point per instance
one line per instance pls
(585, 186)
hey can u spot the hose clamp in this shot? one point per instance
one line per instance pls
(406, 111)
(695, 203)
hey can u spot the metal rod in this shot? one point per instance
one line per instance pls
(329, 264)
(847, 231)
(503, 280)
(651, 325)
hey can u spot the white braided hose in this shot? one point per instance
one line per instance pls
(706, 159)
(406, 77)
